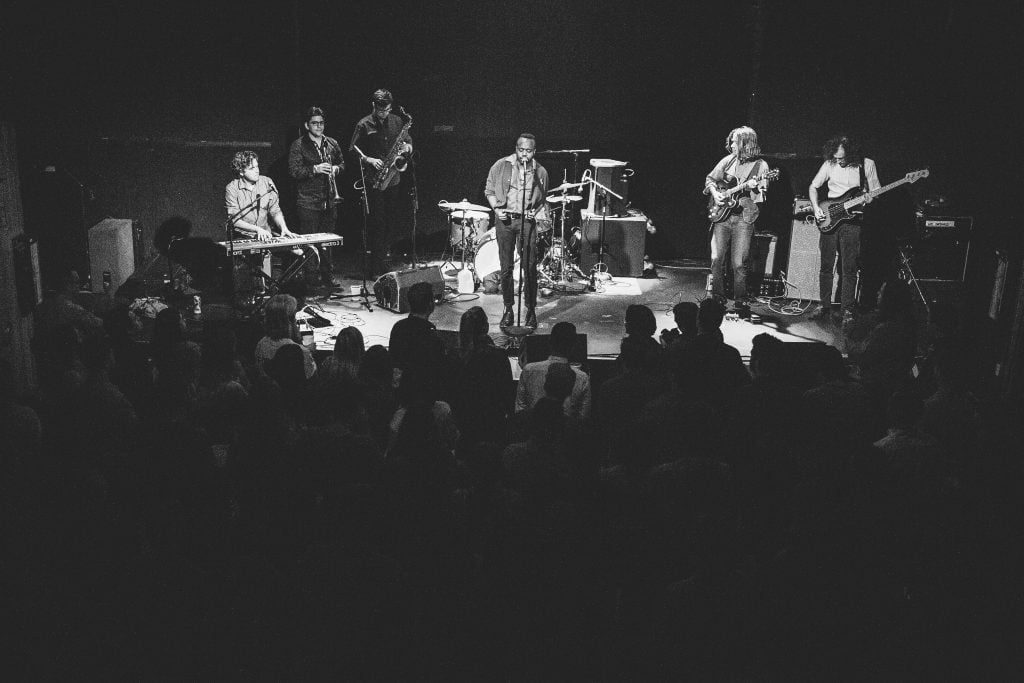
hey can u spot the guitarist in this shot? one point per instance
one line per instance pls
(375, 135)
(844, 169)
(732, 236)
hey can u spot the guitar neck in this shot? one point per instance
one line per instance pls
(874, 193)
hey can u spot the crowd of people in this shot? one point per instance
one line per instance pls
(235, 509)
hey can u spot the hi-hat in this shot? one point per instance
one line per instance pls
(469, 215)
(461, 206)
(566, 199)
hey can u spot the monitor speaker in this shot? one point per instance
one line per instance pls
(392, 289)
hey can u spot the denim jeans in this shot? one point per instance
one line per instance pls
(846, 240)
(732, 238)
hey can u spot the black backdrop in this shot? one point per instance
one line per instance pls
(144, 105)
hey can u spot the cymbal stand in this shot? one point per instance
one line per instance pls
(445, 261)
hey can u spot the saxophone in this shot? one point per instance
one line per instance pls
(394, 162)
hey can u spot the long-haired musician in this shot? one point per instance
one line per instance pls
(732, 235)
(314, 161)
(843, 169)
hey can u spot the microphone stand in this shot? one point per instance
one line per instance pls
(600, 266)
(229, 233)
(364, 293)
(519, 330)
(414, 193)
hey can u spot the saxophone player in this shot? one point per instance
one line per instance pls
(374, 138)
(314, 161)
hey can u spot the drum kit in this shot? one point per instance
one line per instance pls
(471, 234)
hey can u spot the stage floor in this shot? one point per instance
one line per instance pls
(599, 315)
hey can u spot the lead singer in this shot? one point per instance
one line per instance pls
(515, 189)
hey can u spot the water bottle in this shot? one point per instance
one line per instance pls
(306, 335)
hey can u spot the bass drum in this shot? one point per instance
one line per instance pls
(477, 223)
(486, 262)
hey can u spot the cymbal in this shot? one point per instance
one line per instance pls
(463, 206)
(564, 186)
(566, 199)
(469, 215)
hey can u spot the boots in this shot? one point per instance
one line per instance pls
(507, 318)
(531, 318)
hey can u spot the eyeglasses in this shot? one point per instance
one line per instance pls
(317, 123)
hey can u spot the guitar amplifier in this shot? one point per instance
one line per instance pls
(940, 247)
(804, 262)
(392, 289)
(625, 239)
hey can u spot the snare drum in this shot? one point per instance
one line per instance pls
(477, 223)
(487, 260)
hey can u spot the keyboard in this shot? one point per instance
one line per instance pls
(316, 239)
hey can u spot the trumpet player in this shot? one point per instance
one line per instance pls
(375, 138)
(314, 161)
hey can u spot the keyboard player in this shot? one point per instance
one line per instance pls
(242, 193)
(253, 197)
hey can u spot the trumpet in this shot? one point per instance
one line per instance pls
(332, 182)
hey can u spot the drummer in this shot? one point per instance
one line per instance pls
(515, 189)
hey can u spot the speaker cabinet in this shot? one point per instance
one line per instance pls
(111, 255)
(615, 176)
(804, 262)
(392, 289)
(941, 247)
(625, 240)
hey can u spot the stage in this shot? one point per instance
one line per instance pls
(598, 314)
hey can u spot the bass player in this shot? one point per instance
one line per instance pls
(844, 169)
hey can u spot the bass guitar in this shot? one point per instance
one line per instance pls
(719, 211)
(838, 210)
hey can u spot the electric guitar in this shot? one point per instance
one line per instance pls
(719, 211)
(837, 210)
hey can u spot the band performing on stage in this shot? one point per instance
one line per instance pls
(526, 239)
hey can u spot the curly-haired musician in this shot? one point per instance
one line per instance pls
(242, 192)
(844, 169)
